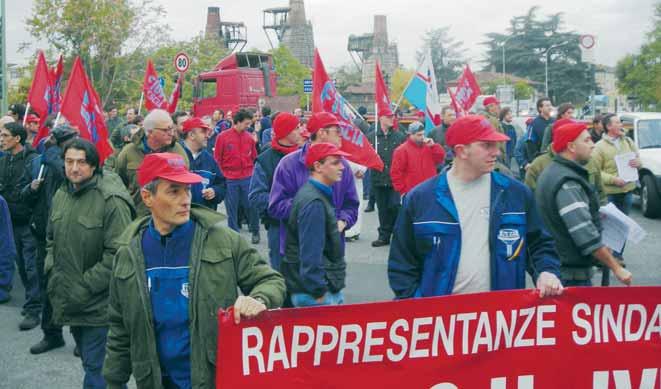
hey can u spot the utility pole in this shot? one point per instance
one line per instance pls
(3, 59)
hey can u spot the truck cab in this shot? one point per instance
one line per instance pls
(238, 81)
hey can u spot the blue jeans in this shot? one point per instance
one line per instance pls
(92, 344)
(567, 283)
(26, 261)
(300, 300)
(237, 196)
(273, 234)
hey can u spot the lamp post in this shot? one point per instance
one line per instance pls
(503, 44)
(546, 70)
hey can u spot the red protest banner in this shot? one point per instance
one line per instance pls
(151, 87)
(587, 338)
(467, 90)
(326, 98)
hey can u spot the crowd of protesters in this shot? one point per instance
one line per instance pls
(133, 253)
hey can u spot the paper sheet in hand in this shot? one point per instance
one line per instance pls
(618, 228)
(624, 171)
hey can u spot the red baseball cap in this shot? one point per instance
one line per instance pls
(32, 119)
(321, 120)
(565, 134)
(284, 124)
(472, 128)
(420, 114)
(168, 166)
(192, 123)
(490, 100)
(322, 150)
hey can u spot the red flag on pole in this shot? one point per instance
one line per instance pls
(39, 96)
(381, 94)
(151, 87)
(57, 72)
(455, 106)
(325, 98)
(82, 108)
(176, 94)
(467, 90)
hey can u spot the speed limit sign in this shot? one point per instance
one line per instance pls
(181, 62)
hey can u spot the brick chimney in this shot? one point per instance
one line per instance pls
(212, 30)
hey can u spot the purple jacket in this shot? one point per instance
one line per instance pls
(289, 177)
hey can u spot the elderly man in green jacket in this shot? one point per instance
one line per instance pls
(89, 213)
(172, 273)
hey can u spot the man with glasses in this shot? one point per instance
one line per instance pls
(158, 137)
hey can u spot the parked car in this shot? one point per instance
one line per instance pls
(645, 129)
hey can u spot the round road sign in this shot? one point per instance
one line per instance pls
(181, 62)
(587, 41)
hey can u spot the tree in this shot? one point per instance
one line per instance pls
(400, 80)
(345, 76)
(640, 75)
(104, 33)
(291, 73)
(526, 43)
(446, 53)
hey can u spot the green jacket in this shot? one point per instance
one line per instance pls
(604, 156)
(130, 158)
(544, 160)
(220, 263)
(81, 241)
(495, 122)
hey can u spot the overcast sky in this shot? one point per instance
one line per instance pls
(619, 25)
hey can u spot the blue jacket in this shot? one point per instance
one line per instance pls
(424, 253)
(7, 250)
(213, 178)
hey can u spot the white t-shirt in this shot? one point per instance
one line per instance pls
(472, 200)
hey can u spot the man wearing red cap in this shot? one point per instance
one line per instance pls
(415, 160)
(291, 174)
(173, 270)
(385, 141)
(492, 108)
(211, 191)
(286, 139)
(313, 265)
(235, 153)
(32, 127)
(569, 207)
(471, 229)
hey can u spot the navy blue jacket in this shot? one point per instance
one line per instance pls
(7, 249)
(424, 253)
(213, 178)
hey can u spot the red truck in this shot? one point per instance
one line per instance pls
(238, 81)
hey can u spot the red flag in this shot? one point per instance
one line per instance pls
(81, 107)
(467, 90)
(176, 94)
(151, 87)
(381, 94)
(40, 90)
(455, 106)
(325, 98)
(56, 74)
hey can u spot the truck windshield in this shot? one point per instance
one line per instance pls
(649, 134)
(207, 88)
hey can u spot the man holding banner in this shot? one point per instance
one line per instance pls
(471, 229)
(163, 327)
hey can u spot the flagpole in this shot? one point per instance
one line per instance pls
(25, 114)
(142, 96)
(401, 97)
(376, 126)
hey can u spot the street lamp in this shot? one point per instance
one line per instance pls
(503, 44)
(546, 70)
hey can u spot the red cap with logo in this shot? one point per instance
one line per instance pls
(32, 119)
(167, 166)
(322, 150)
(192, 123)
(472, 128)
(566, 134)
(321, 120)
(490, 100)
(284, 124)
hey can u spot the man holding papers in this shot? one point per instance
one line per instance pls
(569, 208)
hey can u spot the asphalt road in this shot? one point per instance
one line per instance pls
(366, 281)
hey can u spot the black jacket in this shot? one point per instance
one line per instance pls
(13, 177)
(385, 146)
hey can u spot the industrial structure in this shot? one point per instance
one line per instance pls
(233, 35)
(367, 49)
(291, 29)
